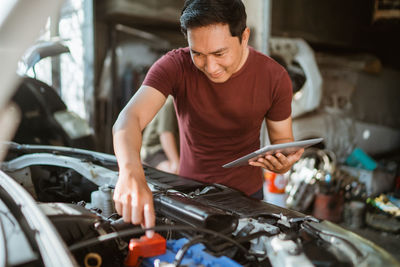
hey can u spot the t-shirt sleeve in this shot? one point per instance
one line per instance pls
(163, 74)
(281, 106)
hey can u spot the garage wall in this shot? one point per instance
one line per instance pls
(339, 25)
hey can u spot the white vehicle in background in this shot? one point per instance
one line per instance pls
(299, 60)
(350, 101)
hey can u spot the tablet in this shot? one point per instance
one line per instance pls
(285, 148)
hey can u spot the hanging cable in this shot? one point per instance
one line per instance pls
(181, 252)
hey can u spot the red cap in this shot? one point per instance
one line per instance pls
(145, 247)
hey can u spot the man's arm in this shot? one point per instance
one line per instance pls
(133, 198)
(279, 132)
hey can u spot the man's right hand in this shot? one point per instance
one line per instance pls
(134, 200)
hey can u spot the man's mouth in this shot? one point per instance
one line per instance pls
(216, 75)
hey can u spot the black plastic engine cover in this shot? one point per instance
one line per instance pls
(188, 211)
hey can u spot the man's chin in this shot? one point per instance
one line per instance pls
(220, 79)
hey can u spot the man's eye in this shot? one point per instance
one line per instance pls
(219, 54)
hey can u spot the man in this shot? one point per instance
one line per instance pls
(223, 90)
(161, 139)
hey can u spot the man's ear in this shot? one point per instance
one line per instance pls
(246, 36)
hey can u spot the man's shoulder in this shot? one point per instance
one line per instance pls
(176, 58)
(264, 61)
(182, 53)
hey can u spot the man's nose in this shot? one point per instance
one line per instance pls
(211, 65)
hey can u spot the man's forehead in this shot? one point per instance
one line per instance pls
(210, 27)
(209, 39)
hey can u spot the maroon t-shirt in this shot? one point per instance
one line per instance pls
(219, 122)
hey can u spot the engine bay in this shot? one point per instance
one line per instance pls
(197, 224)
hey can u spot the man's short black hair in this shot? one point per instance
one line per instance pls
(200, 13)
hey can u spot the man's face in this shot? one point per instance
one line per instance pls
(216, 52)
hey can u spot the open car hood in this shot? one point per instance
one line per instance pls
(72, 189)
(42, 50)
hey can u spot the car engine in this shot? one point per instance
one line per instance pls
(196, 224)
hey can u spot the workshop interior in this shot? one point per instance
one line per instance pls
(70, 66)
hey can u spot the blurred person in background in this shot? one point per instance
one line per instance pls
(160, 145)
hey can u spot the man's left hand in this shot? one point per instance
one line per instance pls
(277, 163)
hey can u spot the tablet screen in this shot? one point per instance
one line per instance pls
(285, 148)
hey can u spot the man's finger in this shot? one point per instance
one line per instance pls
(256, 164)
(296, 156)
(269, 166)
(118, 207)
(299, 153)
(149, 218)
(282, 159)
(126, 209)
(137, 212)
(272, 161)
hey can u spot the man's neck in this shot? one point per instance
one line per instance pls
(244, 58)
